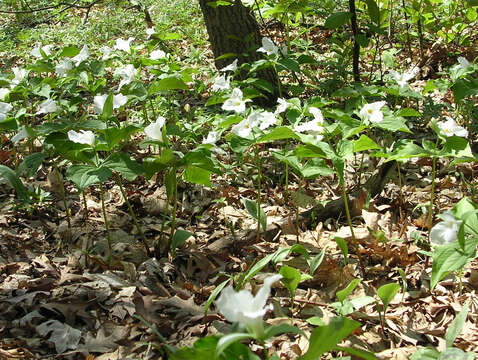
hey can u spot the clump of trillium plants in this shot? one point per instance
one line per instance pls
(80, 109)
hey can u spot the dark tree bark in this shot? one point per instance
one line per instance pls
(234, 30)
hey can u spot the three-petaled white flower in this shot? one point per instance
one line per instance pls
(211, 138)
(235, 102)
(82, 55)
(155, 130)
(445, 231)
(282, 105)
(150, 31)
(37, 53)
(266, 119)
(246, 309)
(221, 83)
(99, 102)
(268, 47)
(4, 109)
(157, 54)
(463, 63)
(244, 128)
(82, 137)
(451, 128)
(127, 74)
(19, 74)
(313, 127)
(402, 79)
(372, 112)
(123, 45)
(63, 67)
(105, 52)
(3, 93)
(231, 67)
(47, 106)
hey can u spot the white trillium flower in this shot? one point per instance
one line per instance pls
(48, 106)
(246, 309)
(268, 47)
(4, 109)
(402, 79)
(150, 31)
(463, 63)
(245, 127)
(282, 105)
(248, 2)
(445, 231)
(123, 45)
(372, 112)
(155, 130)
(317, 114)
(235, 102)
(22, 134)
(231, 67)
(82, 55)
(20, 74)
(63, 67)
(127, 73)
(221, 83)
(37, 53)
(106, 52)
(3, 93)
(99, 102)
(82, 137)
(157, 55)
(451, 128)
(211, 138)
(266, 120)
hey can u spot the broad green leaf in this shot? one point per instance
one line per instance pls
(278, 133)
(168, 83)
(408, 112)
(343, 247)
(465, 209)
(114, 135)
(393, 124)
(316, 321)
(316, 261)
(337, 19)
(124, 165)
(358, 353)
(197, 175)
(288, 64)
(258, 266)
(387, 292)
(456, 326)
(373, 11)
(364, 143)
(425, 354)
(252, 209)
(84, 176)
(108, 107)
(214, 294)
(229, 339)
(299, 249)
(325, 338)
(69, 51)
(15, 182)
(31, 163)
(342, 294)
(291, 278)
(179, 238)
(464, 88)
(275, 330)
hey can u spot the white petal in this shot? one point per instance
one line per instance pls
(119, 100)
(99, 103)
(261, 297)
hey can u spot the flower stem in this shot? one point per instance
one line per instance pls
(259, 180)
(63, 197)
(133, 216)
(107, 227)
(175, 208)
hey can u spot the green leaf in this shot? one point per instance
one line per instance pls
(342, 294)
(299, 249)
(387, 292)
(407, 112)
(84, 176)
(343, 247)
(337, 19)
(291, 278)
(456, 326)
(108, 107)
(278, 133)
(124, 165)
(275, 330)
(364, 143)
(15, 182)
(316, 261)
(448, 258)
(288, 64)
(357, 353)
(197, 175)
(31, 163)
(258, 266)
(251, 207)
(325, 338)
(425, 354)
(114, 135)
(373, 11)
(465, 210)
(229, 339)
(214, 294)
(168, 83)
(69, 51)
(179, 238)
(393, 124)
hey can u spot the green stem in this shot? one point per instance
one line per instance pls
(175, 208)
(133, 216)
(63, 197)
(85, 205)
(107, 227)
(259, 180)
(432, 193)
(297, 210)
(349, 220)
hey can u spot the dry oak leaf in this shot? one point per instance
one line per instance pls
(63, 336)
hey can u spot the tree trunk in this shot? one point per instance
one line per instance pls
(234, 30)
